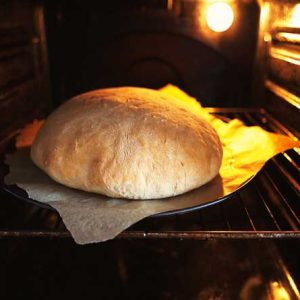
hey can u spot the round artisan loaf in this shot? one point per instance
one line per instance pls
(128, 142)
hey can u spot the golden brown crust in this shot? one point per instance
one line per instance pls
(129, 143)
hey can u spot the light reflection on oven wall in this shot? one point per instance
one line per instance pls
(284, 14)
(295, 16)
(276, 17)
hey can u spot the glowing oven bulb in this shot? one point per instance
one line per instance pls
(219, 16)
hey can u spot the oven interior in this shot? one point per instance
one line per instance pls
(244, 248)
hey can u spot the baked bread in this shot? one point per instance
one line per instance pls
(128, 142)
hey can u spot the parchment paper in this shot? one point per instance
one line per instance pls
(94, 218)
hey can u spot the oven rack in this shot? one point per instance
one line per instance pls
(268, 207)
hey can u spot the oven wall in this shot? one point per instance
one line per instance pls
(96, 44)
(278, 61)
(24, 92)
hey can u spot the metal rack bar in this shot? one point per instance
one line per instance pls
(258, 189)
(287, 176)
(294, 223)
(268, 207)
(248, 215)
(200, 235)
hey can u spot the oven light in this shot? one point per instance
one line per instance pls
(219, 16)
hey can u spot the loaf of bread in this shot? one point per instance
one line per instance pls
(128, 142)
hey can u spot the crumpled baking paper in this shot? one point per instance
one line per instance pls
(94, 218)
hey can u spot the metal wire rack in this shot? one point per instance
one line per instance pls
(268, 207)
